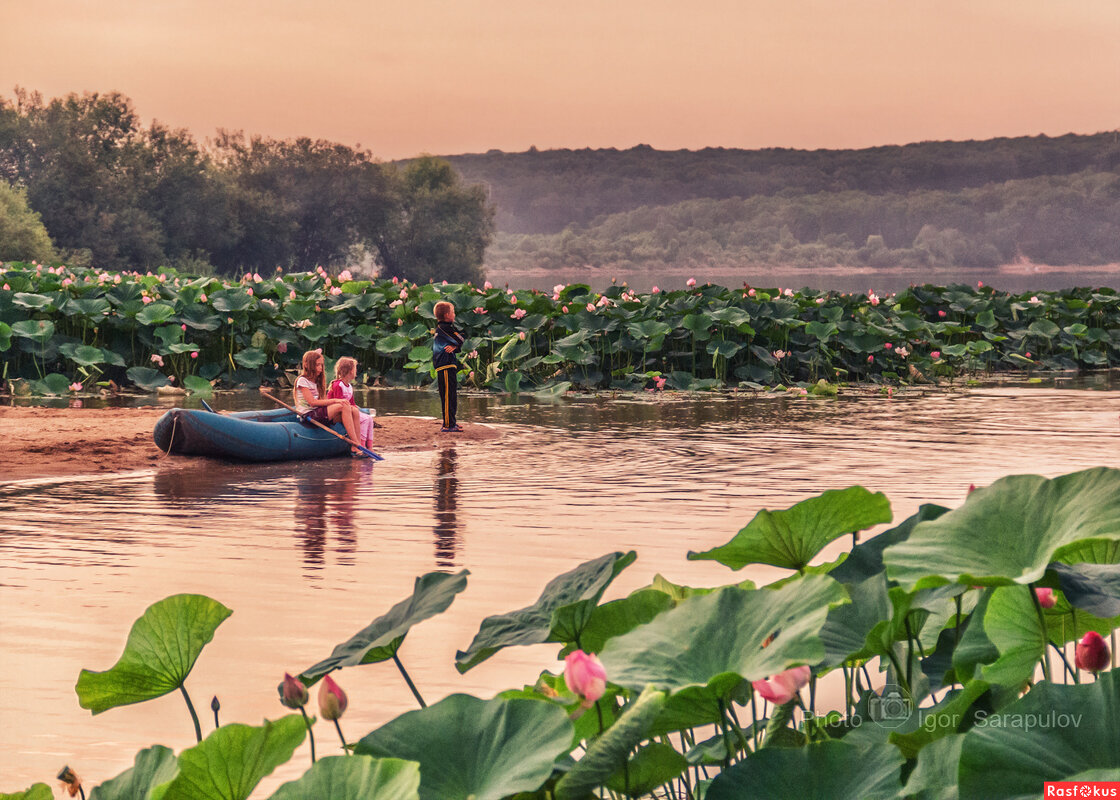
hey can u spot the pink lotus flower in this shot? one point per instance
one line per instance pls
(183, 326)
(345, 275)
(332, 700)
(67, 281)
(194, 354)
(820, 301)
(519, 313)
(400, 322)
(513, 299)
(487, 285)
(480, 310)
(1028, 354)
(202, 298)
(250, 291)
(396, 280)
(888, 345)
(521, 335)
(750, 293)
(935, 354)
(655, 290)
(874, 300)
(902, 352)
(157, 359)
(971, 488)
(75, 387)
(558, 288)
(404, 294)
(941, 314)
(784, 686)
(590, 306)
(1045, 597)
(282, 347)
(660, 382)
(470, 375)
(248, 276)
(564, 309)
(871, 359)
(292, 294)
(293, 693)
(335, 290)
(690, 282)
(584, 674)
(7, 288)
(979, 284)
(327, 282)
(146, 299)
(256, 277)
(1092, 653)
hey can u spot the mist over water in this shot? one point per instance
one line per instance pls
(306, 554)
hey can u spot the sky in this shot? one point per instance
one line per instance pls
(461, 76)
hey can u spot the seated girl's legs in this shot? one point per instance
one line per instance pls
(341, 411)
(365, 428)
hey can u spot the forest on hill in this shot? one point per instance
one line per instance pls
(1053, 200)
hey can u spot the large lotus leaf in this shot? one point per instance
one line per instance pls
(35, 302)
(935, 775)
(1008, 532)
(355, 778)
(250, 357)
(231, 761)
(5, 336)
(1051, 734)
(716, 640)
(653, 765)
(431, 594)
(513, 350)
(40, 791)
(200, 318)
(552, 688)
(393, 343)
(621, 616)
(560, 614)
(1094, 588)
(472, 748)
(159, 655)
(86, 356)
(154, 767)
(51, 384)
(147, 378)
(37, 330)
(950, 715)
(790, 538)
(155, 314)
(846, 632)
(196, 384)
(610, 752)
(227, 300)
(832, 770)
(866, 558)
(92, 308)
(1044, 328)
(1065, 623)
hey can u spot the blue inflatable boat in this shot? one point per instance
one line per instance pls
(275, 435)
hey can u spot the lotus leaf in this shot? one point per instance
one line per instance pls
(39, 791)
(471, 748)
(154, 767)
(355, 778)
(147, 378)
(159, 655)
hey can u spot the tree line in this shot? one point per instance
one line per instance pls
(114, 193)
(1072, 219)
(546, 191)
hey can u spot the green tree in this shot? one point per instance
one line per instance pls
(437, 228)
(22, 235)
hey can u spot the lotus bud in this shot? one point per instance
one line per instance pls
(332, 700)
(584, 674)
(1092, 653)
(690, 282)
(784, 686)
(1045, 597)
(293, 693)
(935, 354)
(71, 783)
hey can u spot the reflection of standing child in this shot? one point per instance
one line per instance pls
(448, 340)
(345, 371)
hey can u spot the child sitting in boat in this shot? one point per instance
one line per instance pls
(310, 398)
(345, 371)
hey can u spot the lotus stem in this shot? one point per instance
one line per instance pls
(726, 734)
(1042, 628)
(1068, 669)
(345, 747)
(310, 733)
(408, 680)
(898, 673)
(778, 719)
(738, 727)
(754, 726)
(194, 716)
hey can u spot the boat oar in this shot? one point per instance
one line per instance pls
(329, 430)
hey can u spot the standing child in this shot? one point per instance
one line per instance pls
(310, 398)
(447, 342)
(345, 371)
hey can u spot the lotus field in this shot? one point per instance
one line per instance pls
(965, 653)
(64, 330)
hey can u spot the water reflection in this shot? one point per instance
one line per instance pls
(324, 509)
(447, 527)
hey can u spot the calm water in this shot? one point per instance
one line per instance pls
(307, 554)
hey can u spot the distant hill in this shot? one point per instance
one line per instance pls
(1051, 200)
(545, 191)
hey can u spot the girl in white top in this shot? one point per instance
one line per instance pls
(345, 371)
(310, 396)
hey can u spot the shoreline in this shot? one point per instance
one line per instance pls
(46, 443)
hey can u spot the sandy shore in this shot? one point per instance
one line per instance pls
(60, 442)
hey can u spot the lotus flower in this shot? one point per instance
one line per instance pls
(585, 676)
(690, 282)
(75, 387)
(146, 299)
(888, 345)
(513, 298)
(487, 285)
(902, 352)
(558, 288)
(194, 354)
(518, 314)
(1092, 653)
(293, 693)
(480, 310)
(332, 700)
(1045, 597)
(345, 275)
(941, 314)
(784, 686)
(935, 354)
(7, 288)
(564, 309)
(335, 290)
(590, 306)
(521, 335)
(202, 298)
(871, 359)
(282, 347)
(157, 359)
(660, 383)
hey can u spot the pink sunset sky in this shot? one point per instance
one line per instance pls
(455, 76)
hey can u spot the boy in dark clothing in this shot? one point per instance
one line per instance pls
(447, 342)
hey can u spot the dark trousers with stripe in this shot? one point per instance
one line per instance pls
(448, 380)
